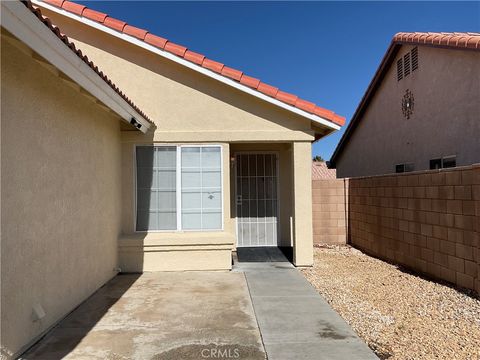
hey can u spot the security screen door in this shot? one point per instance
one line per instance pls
(256, 199)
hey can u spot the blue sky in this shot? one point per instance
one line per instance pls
(325, 52)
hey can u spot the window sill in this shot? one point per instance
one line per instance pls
(147, 239)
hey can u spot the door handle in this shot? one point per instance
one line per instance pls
(239, 199)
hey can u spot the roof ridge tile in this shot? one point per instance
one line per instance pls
(155, 40)
(267, 89)
(212, 65)
(194, 57)
(135, 31)
(232, 73)
(249, 81)
(94, 15)
(462, 40)
(176, 49)
(73, 7)
(114, 24)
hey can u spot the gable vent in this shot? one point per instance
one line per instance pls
(406, 64)
(399, 69)
(414, 58)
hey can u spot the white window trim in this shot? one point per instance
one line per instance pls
(178, 188)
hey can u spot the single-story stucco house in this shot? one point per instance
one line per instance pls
(169, 163)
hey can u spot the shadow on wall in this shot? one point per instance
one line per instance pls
(63, 339)
(146, 196)
(156, 180)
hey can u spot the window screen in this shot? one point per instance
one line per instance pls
(200, 177)
(435, 164)
(400, 168)
(449, 162)
(201, 188)
(407, 167)
(156, 188)
(445, 162)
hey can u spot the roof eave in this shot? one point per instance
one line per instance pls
(27, 28)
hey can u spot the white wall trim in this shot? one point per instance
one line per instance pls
(19, 20)
(195, 67)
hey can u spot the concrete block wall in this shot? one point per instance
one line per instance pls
(427, 221)
(330, 211)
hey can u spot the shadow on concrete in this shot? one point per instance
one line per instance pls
(265, 254)
(66, 335)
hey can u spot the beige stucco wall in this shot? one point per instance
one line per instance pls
(302, 204)
(189, 107)
(60, 190)
(184, 104)
(445, 120)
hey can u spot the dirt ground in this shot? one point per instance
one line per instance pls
(399, 314)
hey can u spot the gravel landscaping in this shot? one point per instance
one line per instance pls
(399, 314)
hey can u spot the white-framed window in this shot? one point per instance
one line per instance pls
(179, 187)
(443, 162)
(407, 167)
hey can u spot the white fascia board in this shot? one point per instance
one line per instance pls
(19, 20)
(315, 118)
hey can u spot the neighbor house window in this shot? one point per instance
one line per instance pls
(442, 163)
(449, 161)
(436, 164)
(179, 188)
(401, 168)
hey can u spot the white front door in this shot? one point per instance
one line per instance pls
(256, 198)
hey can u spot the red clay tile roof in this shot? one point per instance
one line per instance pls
(320, 171)
(46, 21)
(456, 41)
(198, 59)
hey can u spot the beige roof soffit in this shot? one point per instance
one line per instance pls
(23, 24)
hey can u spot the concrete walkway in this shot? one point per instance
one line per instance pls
(295, 321)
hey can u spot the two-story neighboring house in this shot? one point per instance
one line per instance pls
(421, 110)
